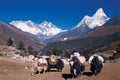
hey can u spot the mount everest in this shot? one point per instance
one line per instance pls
(47, 30)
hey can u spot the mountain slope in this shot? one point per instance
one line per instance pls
(98, 37)
(8, 31)
(84, 44)
(69, 35)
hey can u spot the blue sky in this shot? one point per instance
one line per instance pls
(64, 14)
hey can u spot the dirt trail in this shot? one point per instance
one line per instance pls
(16, 70)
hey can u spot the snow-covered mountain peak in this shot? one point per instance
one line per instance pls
(46, 29)
(29, 22)
(86, 17)
(100, 13)
(98, 19)
(47, 24)
(26, 26)
(49, 29)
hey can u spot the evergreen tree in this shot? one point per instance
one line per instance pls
(57, 52)
(118, 49)
(116, 55)
(9, 42)
(30, 49)
(21, 46)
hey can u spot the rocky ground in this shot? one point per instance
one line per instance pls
(11, 69)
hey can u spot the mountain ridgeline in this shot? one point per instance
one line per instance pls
(91, 32)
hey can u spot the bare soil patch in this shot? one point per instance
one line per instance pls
(16, 70)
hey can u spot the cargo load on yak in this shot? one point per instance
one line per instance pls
(52, 59)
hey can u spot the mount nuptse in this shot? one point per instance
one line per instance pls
(45, 30)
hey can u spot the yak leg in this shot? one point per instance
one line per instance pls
(33, 71)
(45, 68)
